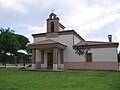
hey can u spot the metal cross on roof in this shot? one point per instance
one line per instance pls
(52, 10)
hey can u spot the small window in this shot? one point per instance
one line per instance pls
(89, 57)
(52, 26)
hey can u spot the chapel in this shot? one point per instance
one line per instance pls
(58, 48)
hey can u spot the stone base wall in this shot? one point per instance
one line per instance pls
(91, 65)
(38, 65)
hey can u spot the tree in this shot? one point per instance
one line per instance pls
(82, 51)
(8, 43)
(23, 41)
(23, 58)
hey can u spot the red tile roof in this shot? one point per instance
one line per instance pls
(96, 44)
(61, 26)
(47, 43)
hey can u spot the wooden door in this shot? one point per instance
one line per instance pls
(50, 60)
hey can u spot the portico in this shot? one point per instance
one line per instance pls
(47, 54)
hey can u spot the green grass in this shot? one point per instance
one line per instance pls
(14, 79)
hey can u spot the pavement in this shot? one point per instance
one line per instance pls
(12, 66)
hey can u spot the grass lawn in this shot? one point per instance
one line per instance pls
(14, 79)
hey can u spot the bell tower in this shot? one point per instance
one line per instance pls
(52, 23)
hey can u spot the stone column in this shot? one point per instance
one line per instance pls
(42, 59)
(62, 58)
(33, 58)
(55, 58)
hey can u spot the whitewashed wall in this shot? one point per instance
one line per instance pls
(104, 54)
(38, 55)
(45, 60)
(76, 40)
(39, 39)
(98, 54)
(69, 52)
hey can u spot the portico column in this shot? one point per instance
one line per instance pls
(33, 58)
(62, 58)
(55, 58)
(42, 59)
(42, 56)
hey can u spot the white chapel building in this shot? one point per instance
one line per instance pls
(56, 49)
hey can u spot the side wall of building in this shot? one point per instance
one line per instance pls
(102, 59)
(104, 54)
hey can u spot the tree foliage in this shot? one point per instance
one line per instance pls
(23, 41)
(22, 58)
(82, 51)
(8, 41)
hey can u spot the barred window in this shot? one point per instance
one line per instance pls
(89, 57)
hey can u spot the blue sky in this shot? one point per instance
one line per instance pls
(92, 19)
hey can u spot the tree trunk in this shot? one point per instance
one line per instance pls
(5, 63)
(85, 60)
(4, 59)
(15, 60)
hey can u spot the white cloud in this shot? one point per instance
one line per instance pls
(93, 17)
(117, 35)
(84, 14)
(87, 15)
(96, 25)
(30, 37)
(102, 39)
(33, 29)
(13, 4)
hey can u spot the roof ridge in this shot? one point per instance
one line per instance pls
(98, 41)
